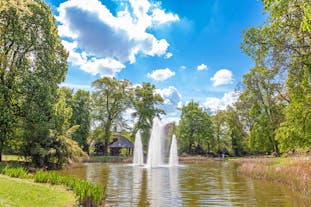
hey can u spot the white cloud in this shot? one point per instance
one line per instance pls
(95, 33)
(183, 67)
(202, 67)
(168, 55)
(215, 104)
(172, 99)
(160, 17)
(222, 77)
(76, 86)
(161, 74)
(105, 66)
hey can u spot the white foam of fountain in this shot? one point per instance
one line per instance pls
(138, 150)
(155, 152)
(173, 158)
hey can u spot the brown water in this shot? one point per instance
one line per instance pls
(195, 184)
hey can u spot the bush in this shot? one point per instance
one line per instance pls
(17, 172)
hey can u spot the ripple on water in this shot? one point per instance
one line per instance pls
(195, 184)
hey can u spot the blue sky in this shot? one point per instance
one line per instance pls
(189, 49)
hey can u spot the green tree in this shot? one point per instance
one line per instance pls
(144, 101)
(110, 99)
(32, 64)
(283, 43)
(81, 115)
(195, 128)
(266, 111)
(220, 131)
(235, 132)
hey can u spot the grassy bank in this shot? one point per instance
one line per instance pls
(295, 172)
(24, 193)
(86, 194)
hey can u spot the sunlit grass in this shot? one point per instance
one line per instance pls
(8, 158)
(24, 193)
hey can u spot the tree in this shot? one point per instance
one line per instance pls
(283, 43)
(266, 112)
(235, 132)
(220, 131)
(32, 64)
(110, 99)
(81, 115)
(144, 101)
(195, 128)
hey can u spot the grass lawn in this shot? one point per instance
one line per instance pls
(24, 193)
(12, 158)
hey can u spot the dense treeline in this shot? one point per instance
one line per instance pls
(273, 113)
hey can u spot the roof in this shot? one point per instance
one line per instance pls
(121, 142)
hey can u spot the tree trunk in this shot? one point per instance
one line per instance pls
(1, 146)
(107, 137)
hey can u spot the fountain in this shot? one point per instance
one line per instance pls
(155, 155)
(155, 152)
(173, 159)
(138, 151)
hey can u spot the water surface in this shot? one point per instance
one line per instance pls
(196, 184)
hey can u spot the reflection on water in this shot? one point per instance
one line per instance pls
(197, 184)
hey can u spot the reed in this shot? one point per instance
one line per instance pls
(17, 172)
(294, 172)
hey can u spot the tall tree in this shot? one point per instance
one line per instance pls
(81, 115)
(235, 132)
(32, 64)
(110, 99)
(220, 131)
(145, 101)
(266, 111)
(283, 43)
(195, 128)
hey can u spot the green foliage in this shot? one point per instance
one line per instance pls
(16, 172)
(144, 101)
(195, 129)
(281, 49)
(81, 115)
(110, 99)
(58, 150)
(88, 194)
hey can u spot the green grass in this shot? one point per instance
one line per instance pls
(24, 193)
(12, 158)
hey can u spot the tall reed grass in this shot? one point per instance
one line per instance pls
(294, 172)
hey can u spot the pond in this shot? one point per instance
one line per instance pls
(209, 183)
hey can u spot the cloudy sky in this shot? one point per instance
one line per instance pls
(189, 49)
